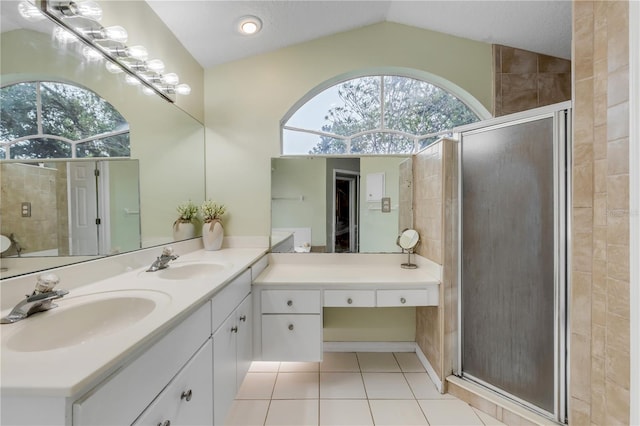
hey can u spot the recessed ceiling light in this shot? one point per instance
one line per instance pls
(249, 25)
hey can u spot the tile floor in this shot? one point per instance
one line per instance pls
(348, 388)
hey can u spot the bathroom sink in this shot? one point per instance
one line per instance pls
(79, 319)
(181, 271)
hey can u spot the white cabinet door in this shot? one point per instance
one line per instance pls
(291, 338)
(244, 314)
(187, 399)
(224, 367)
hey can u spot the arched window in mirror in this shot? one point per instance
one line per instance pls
(45, 119)
(379, 114)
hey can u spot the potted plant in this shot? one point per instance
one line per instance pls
(183, 227)
(212, 230)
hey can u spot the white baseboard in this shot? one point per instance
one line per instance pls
(386, 347)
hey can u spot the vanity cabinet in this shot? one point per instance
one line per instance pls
(187, 399)
(122, 398)
(291, 325)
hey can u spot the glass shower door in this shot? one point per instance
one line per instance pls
(511, 262)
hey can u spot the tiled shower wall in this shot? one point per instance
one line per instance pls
(434, 176)
(526, 80)
(37, 185)
(599, 341)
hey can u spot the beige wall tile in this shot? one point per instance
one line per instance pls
(581, 303)
(598, 393)
(600, 175)
(617, 399)
(583, 40)
(599, 140)
(518, 61)
(618, 367)
(618, 227)
(618, 121)
(618, 35)
(583, 186)
(580, 413)
(618, 298)
(580, 368)
(618, 157)
(582, 219)
(618, 86)
(617, 333)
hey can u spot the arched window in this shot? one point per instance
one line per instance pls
(45, 119)
(380, 114)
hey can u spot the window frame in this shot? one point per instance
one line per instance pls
(446, 85)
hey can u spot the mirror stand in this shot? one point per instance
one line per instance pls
(408, 264)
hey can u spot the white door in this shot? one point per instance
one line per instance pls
(83, 208)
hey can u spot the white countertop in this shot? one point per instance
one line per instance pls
(331, 270)
(71, 370)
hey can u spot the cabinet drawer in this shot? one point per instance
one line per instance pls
(187, 399)
(291, 338)
(121, 399)
(290, 301)
(353, 298)
(225, 301)
(415, 297)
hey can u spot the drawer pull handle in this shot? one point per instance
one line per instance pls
(403, 300)
(234, 329)
(243, 318)
(349, 301)
(290, 326)
(187, 395)
(289, 302)
(165, 423)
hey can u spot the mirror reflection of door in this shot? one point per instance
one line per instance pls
(345, 212)
(83, 208)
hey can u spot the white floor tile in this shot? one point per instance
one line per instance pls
(299, 412)
(487, 419)
(423, 387)
(449, 412)
(296, 386)
(339, 361)
(409, 362)
(386, 386)
(257, 386)
(397, 413)
(378, 362)
(345, 412)
(294, 367)
(342, 385)
(247, 413)
(264, 367)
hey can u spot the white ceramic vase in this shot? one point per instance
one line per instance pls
(183, 231)
(212, 235)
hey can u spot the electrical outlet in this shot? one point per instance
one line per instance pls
(386, 204)
(26, 209)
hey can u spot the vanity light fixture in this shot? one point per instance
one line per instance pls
(78, 21)
(249, 25)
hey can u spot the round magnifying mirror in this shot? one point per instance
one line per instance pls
(408, 239)
(5, 243)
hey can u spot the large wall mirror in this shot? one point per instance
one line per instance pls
(167, 146)
(340, 205)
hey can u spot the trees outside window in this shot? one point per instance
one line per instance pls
(59, 120)
(374, 115)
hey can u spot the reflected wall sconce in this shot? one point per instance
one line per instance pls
(78, 20)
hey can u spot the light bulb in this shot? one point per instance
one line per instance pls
(135, 52)
(155, 65)
(30, 12)
(91, 54)
(115, 33)
(113, 68)
(171, 78)
(249, 28)
(183, 89)
(87, 9)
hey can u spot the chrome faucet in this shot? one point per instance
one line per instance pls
(163, 260)
(38, 301)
